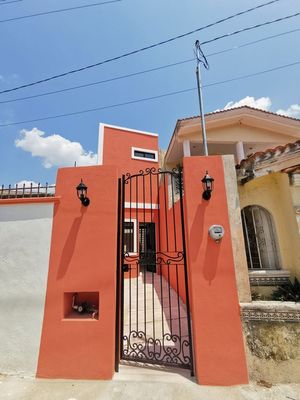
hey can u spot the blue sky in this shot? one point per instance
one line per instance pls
(36, 48)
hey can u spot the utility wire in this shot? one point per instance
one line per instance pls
(159, 44)
(3, 3)
(97, 82)
(144, 71)
(147, 98)
(250, 28)
(57, 11)
(254, 42)
(251, 75)
(96, 4)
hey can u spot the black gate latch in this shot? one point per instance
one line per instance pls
(126, 267)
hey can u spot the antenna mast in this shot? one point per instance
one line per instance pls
(201, 59)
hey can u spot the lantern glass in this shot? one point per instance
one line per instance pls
(81, 190)
(207, 184)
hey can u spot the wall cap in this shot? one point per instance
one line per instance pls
(30, 200)
(268, 277)
(270, 311)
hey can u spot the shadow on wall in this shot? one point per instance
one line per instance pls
(212, 250)
(70, 244)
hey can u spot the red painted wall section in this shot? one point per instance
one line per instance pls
(117, 144)
(83, 261)
(217, 330)
(170, 238)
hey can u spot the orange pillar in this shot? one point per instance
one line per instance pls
(83, 261)
(217, 330)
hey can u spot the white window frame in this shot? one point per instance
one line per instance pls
(155, 159)
(134, 235)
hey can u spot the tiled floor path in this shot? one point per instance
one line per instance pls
(155, 319)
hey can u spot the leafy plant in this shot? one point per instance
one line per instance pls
(255, 296)
(288, 292)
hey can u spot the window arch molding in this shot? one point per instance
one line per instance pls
(260, 238)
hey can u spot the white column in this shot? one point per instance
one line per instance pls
(186, 148)
(240, 153)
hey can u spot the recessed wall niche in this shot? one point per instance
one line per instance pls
(81, 305)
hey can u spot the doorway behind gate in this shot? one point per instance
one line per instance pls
(153, 322)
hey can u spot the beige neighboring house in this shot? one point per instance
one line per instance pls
(266, 151)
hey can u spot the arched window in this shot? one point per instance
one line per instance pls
(260, 241)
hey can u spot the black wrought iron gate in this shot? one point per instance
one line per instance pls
(153, 324)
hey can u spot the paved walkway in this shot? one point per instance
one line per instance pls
(155, 320)
(138, 384)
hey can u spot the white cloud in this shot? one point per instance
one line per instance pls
(264, 103)
(27, 188)
(26, 183)
(55, 150)
(292, 111)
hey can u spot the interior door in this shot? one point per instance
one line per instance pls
(147, 248)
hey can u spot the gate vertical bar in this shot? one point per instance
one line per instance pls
(118, 279)
(138, 262)
(122, 259)
(159, 249)
(143, 268)
(175, 248)
(180, 180)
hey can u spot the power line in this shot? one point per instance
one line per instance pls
(254, 74)
(147, 98)
(144, 71)
(250, 28)
(99, 108)
(3, 3)
(57, 11)
(159, 44)
(254, 42)
(97, 82)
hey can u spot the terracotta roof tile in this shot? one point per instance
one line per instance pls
(270, 153)
(240, 108)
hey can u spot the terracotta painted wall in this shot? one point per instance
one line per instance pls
(217, 331)
(115, 144)
(83, 260)
(171, 238)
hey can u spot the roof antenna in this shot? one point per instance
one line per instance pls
(201, 59)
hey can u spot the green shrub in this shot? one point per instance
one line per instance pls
(288, 292)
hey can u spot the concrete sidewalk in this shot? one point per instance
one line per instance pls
(134, 383)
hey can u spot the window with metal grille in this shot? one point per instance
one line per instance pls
(129, 237)
(260, 238)
(144, 154)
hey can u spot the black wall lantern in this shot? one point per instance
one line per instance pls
(208, 185)
(81, 193)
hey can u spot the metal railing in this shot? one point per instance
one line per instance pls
(27, 191)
